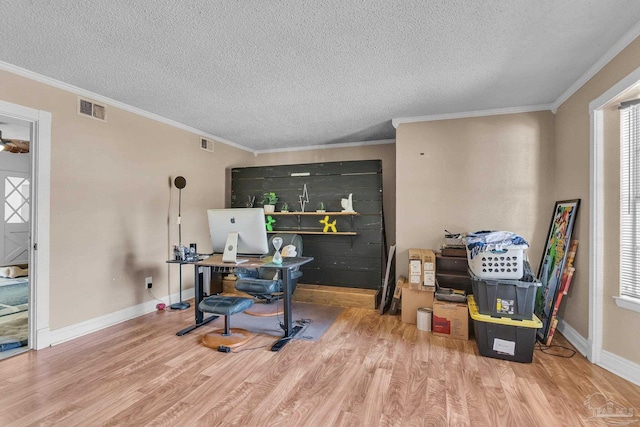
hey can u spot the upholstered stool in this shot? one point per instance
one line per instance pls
(225, 306)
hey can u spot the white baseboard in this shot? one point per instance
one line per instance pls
(620, 366)
(77, 330)
(42, 339)
(578, 341)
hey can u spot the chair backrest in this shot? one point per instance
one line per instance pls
(287, 239)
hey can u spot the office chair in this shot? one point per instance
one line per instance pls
(264, 283)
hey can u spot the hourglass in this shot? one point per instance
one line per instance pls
(277, 244)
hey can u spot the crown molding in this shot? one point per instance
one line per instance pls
(100, 98)
(466, 114)
(624, 41)
(328, 146)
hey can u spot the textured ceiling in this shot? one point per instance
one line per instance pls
(279, 74)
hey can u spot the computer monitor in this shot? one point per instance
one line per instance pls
(238, 231)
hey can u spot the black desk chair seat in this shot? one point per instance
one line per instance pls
(225, 306)
(265, 283)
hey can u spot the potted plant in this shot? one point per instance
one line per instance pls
(269, 201)
(285, 207)
(320, 208)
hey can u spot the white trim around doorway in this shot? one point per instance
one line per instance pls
(595, 352)
(40, 124)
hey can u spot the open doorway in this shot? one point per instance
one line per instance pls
(15, 236)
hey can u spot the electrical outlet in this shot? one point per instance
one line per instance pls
(148, 282)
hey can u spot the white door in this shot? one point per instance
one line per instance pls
(15, 215)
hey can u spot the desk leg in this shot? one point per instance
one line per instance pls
(199, 315)
(196, 326)
(286, 288)
(289, 330)
(198, 291)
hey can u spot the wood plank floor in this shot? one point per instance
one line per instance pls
(367, 370)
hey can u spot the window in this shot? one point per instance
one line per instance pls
(630, 199)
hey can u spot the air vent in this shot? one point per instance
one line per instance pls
(91, 109)
(206, 144)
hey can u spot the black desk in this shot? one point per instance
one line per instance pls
(215, 264)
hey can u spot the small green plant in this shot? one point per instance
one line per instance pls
(285, 207)
(269, 198)
(320, 207)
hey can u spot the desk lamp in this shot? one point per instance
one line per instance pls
(180, 183)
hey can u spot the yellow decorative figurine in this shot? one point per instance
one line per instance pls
(328, 225)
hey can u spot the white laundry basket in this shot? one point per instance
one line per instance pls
(506, 263)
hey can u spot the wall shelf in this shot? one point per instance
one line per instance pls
(301, 231)
(314, 213)
(338, 233)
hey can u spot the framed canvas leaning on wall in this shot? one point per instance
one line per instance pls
(553, 261)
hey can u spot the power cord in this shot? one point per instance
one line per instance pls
(280, 322)
(302, 322)
(305, 324)
(545, 349)
(153, 296)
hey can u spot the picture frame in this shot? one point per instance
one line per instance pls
(553, 261)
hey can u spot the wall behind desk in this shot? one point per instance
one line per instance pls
(347, 261)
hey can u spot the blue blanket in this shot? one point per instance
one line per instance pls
(483, 241)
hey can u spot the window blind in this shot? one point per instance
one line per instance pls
(630, 199)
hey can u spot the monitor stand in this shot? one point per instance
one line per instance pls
(230, 253)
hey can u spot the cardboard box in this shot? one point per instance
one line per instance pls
(397, 295)
(428, 268)
(415, 269)
(411, 301)
(422, 270)
(451, 320)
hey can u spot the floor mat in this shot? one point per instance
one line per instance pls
(315, 319)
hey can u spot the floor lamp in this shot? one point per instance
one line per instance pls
(180, 183)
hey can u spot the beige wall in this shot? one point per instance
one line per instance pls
(113, 216)
(113, 212)
(572, 153)
(483, 173)
(110, 201)
(384, 152)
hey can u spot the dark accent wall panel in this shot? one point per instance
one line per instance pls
(348, 261)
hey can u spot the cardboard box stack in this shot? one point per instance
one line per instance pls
(450, 317)
(419, 291)
(422, 269)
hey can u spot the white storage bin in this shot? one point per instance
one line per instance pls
(498, 264)
(453, 240)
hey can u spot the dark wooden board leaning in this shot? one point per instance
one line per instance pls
(387, 291)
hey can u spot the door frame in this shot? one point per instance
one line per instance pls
(39, 122)
(596, 212)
